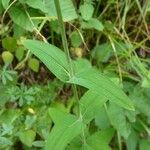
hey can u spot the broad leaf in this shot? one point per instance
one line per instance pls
(92, 79)
(64, 132)
(101, 119)
(145, 144)
(93, 23)
(140, 98)
(118, 120)
(86, 15)
(34, 64)
(90, 104)
(5, 3)
(132, 141)
(67, 9)
(57, 116)
(19, 17)
(100, 140)
(37, 4)
(9, 43)
(51, 56)
(27, 137)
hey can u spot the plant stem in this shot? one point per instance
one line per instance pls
(66, 49)
(63, 36)
(65, 45)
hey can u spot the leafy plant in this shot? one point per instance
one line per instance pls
(74, 74)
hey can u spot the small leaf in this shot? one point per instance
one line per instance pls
(86, 11)
(101, 119)
(38, 143)
(19, 53)
(9, 43)
(75, 39)
(64, 132)
(66, 8)
(27, 137)
(90, 104)
(1, 10)
(5, 3)
(19, 17)
(93, 23)
(51, 56)
(118, 120)
(5, 141)
(7, 57)
(34, 64)
(144, 144)
(102, 52)
(132, 141)
(37, 4)
(57, 116)
(100, 140)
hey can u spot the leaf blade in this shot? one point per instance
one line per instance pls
(51, 56)
(92, 79)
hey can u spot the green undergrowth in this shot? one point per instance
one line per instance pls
(74, 75)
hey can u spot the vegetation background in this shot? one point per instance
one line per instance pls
(89, 88)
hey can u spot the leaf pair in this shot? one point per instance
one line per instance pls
(90, 78)
(100, 90)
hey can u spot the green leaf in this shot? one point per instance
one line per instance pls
(19, 53)
(34, 64)
(5, 3)
(92, 79)
(101, 119)
(93, 23)
(27, 137)
(64, 132)
(7, 57)
(57, 116)
(87, 147)
(19, 17)
(37, 4)
(148, 7)
(146, 81)
(102, 52)
(1, 10)
(55, 60)
(86, 11)
(75, 39)
(9, 43)
(80, 63)
(38, 143)
(90, 104)
(141, 100)
(67, 9)
(118, 120)
(144, 144)
(5, 141)
(9, 116)
(132, 141)
(51, 56)
(100, 140)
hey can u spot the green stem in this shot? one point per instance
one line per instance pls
(66, 49)
(65, 45)
(119, 141)
(63, 36)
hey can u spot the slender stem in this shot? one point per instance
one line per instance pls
(65, 44)
(117, 59)
(66, 49)
(63, 36)
(119, 141)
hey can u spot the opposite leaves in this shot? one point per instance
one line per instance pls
(90, 78)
